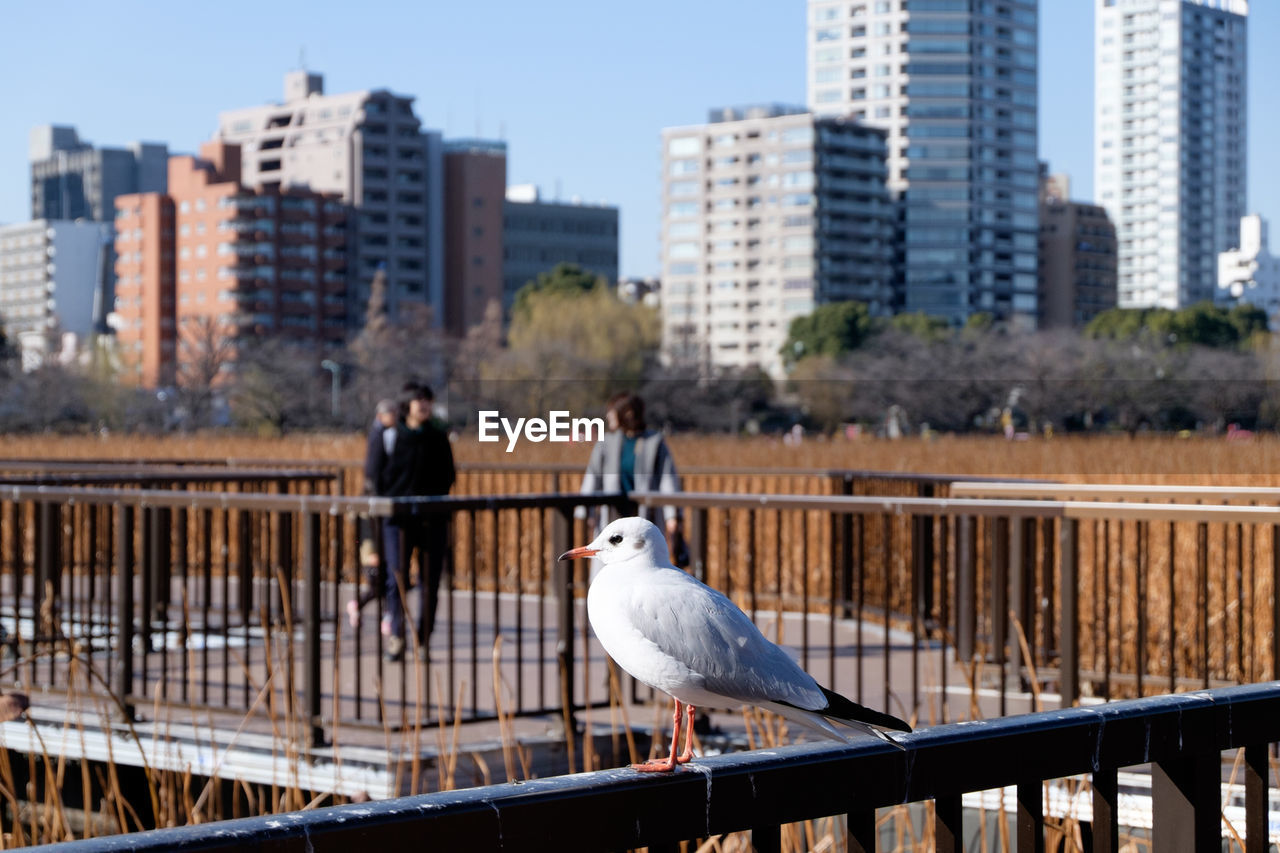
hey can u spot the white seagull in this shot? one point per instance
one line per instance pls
(678, 635)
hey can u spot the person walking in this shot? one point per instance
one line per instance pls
(631, 456)
(378, 445)
(420, 464)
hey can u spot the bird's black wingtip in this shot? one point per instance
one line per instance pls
(846, 709)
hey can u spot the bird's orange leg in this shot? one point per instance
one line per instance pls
(660, 765)
(688, 735)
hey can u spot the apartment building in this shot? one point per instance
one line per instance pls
(72, 179)
(538, 234)
(368, 148)
(214, 262)
(1171, 120)
(767, 211)
(1077, 258)
(50, 274)
(475, 181)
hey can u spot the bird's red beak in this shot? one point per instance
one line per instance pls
(578, 553)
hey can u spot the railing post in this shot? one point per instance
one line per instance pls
(844, 538)
(966, 587)
(161, 566)
(697, 542)
(1106, 813)
(122, 683)
(245, 543)
(1255, 798)
(1068, 547)
(766, 839)
(561, 525)
(948, 824)
(48, 562)
(922, 556)
(283, 558)
(147, 577)
(1030, 817)
(1022, 589)
(1186, 809)
(311, 572)
(862, 831)
(1000, 601)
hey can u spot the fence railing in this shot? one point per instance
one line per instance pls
(214, 600)
(230, 596)
(1181, 736)
(1094, 598)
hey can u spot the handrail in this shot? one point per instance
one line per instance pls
(967, 506)
(520, 467)
(1091, 491)
(1181, 735)
(324, 504)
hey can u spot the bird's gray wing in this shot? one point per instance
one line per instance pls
(708, 633)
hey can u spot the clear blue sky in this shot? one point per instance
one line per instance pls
(579, 90)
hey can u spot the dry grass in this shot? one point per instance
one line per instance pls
(1149, 459)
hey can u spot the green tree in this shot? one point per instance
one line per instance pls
(564, 279)
(1202, 324)
(568, 349)
(831, 331)
(1248, 319)
(918, 324)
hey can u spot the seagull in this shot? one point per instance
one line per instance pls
(678, 635)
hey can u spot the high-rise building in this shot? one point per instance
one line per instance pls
(71, 179)
(475, 184)
(768, 211)
(954, 84)
(370, 149)
(1077, 258)
(1169, 141)
(49, 274)
(1250, 273)
(212, 263)
(538, 234)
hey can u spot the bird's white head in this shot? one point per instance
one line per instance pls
(624, 540)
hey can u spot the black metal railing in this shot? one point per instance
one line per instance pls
(1182, 737)
(1087, 598)
(213, 600)
(204, 599)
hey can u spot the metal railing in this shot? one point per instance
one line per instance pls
(227, 593)
(214, 600)
(1093, 598)
(1182, 737)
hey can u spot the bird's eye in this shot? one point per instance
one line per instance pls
(615, 539)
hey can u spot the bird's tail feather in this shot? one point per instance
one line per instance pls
(844, 709)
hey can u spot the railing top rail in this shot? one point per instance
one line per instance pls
(100, 464)
(614, 809)
(868, 504)
(1080, 491)
(324, 504)
(145, 476)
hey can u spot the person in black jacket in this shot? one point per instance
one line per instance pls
(420, 464)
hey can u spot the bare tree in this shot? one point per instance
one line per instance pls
(206, 358)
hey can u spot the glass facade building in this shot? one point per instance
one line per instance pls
(954, 83)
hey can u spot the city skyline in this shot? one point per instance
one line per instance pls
(579, 93)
